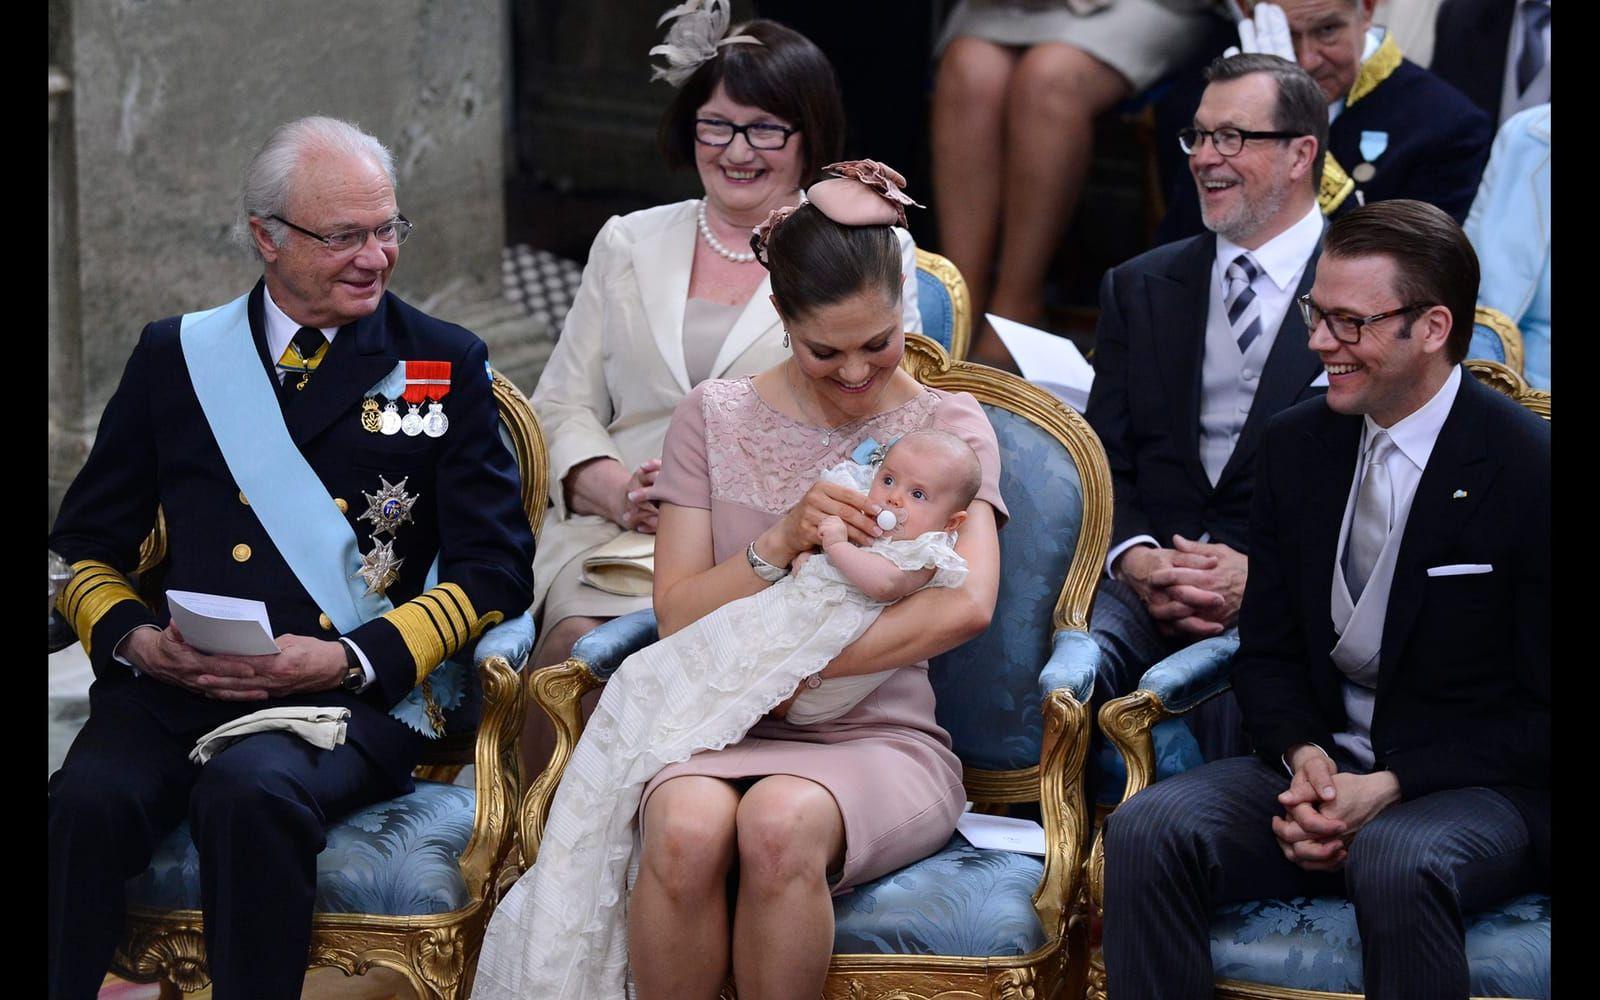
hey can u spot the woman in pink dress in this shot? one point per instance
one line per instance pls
(803, 812)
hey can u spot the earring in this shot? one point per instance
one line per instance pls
(786, 338)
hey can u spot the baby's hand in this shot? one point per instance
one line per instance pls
(799, 560)
(832, 529)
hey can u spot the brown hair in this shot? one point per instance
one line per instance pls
(1433, 260)
(816, 262)
(1301, 105)
(786, 75)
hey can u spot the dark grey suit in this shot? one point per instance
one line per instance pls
(1145, 407)
(1462, 716)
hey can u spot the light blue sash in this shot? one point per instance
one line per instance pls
(286, 496)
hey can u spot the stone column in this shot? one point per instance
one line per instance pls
(156, 107)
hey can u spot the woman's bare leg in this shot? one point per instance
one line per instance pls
(678, 912)
(969, 95)
(1056, 93)
(790, 835)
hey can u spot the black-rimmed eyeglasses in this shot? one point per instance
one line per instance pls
(389, 234)
(761, 135)
(1345, 329)
(1227, 141)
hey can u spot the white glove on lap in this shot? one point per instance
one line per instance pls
(1267, 31)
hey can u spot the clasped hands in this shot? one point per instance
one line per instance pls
(301, 664)
(1192, 590)
(1324, 808)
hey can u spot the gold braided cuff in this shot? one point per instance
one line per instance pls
(95, 588)
(1335, 186)
(435, 625)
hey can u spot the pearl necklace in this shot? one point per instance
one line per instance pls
(716, 244)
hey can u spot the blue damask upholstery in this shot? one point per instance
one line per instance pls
(960, 901)
(1312, 944)
(1486, 344)
(1072, 662)
(395, 858)
(933, 302)
(987, 688)
(603, 649)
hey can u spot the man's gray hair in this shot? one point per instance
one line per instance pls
(269, 178)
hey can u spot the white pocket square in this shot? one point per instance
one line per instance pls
(1460, 569)
(1321, 381)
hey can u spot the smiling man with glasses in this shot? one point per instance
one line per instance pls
(1198, 345)
(268, 431)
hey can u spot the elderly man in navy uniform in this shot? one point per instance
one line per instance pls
(317, 445)
(1395, 129)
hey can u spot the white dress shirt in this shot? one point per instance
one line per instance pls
(1375, 35)
(280, 331)
(1282, 260)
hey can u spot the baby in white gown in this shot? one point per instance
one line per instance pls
(924, 485)
(561, 931)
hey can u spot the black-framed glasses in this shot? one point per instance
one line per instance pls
(1227, 141)
(389, 234)
(1345, 329)
(760, 135)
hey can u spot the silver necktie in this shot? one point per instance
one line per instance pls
(1535, 15)
(1244, 312)
(1374, 515)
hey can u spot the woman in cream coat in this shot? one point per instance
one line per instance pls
(672, 296)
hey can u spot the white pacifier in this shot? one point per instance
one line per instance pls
(887, 520)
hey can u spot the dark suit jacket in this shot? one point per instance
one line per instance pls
(1469, 49)
(1438, 145)
(1464, 684)
(1145, 403)
(155, 447)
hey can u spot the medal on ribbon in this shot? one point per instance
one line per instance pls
(426, 382)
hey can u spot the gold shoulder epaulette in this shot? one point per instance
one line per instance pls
(94, 589)
(1335, 186)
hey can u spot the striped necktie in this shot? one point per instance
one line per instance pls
(304, 353)
(1535, 15)
(1244, 312)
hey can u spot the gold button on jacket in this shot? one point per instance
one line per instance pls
(241, 552)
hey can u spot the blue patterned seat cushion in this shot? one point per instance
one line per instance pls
(1312, 944)
(933, 302)
(987, 688)
(398, 858)
(960, 901)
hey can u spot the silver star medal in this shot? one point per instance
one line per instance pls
(379, 568)
(435, 423)
(389, 508)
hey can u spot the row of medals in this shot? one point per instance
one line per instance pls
(389, 421)
(387, 510)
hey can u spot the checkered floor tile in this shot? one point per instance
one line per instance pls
(540, 282)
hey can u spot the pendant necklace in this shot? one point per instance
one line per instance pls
(794, 394)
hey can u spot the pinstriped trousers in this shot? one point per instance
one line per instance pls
(1203, 838)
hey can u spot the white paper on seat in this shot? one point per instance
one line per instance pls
(1002, 833)
(212, 623)
(1048, 361)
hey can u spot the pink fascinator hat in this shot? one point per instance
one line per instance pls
(863, 193)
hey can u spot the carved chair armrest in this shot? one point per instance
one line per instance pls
(1066, 683)
(604, 648)
(558, 690)
(1193, 674)
(499, 655)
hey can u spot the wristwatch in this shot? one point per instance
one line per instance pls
(767, 571)
(354, 678)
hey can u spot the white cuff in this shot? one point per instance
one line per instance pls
(1285, 757)
(125, 662)
(366, 665)
(1111, 557)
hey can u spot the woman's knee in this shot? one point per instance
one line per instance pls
(1058, 81)
(689, 836)
(788, 834)
(973, 74)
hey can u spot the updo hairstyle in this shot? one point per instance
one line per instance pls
(817, 262)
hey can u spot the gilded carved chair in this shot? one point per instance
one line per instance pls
(964, 924)
(942, 300)
(1302, 948)
(1495, 337)
(408, 884)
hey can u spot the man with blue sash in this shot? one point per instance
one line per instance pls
(269, 432)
